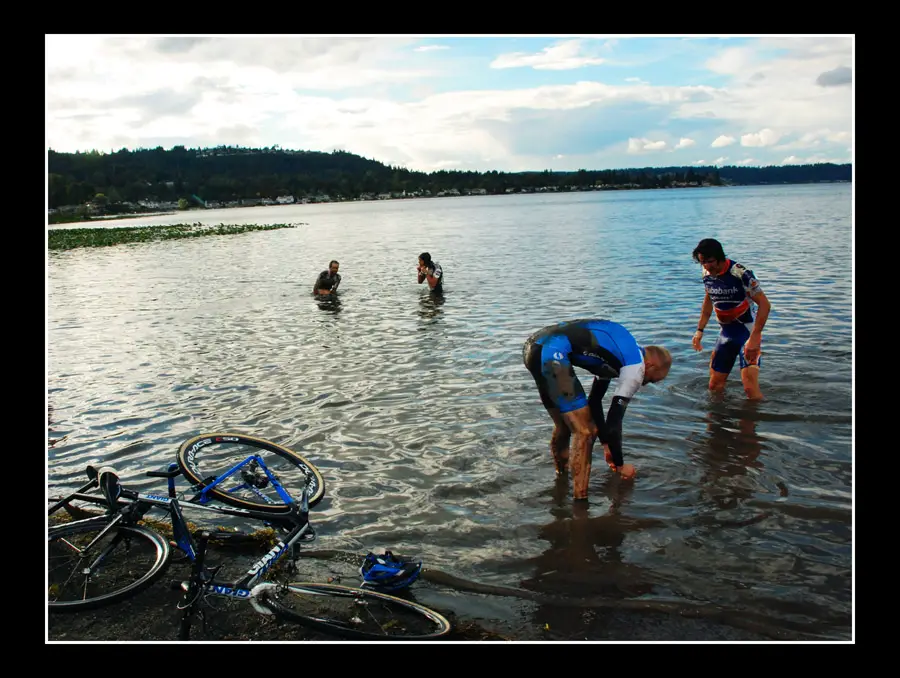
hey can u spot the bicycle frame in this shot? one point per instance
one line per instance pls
(131, 506)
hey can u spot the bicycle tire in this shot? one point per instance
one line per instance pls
(416, 622)
(63, 544)
(190, 455)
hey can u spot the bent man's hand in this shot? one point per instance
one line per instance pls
(627, 471)
(608, 455)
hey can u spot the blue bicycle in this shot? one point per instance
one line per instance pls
(106, 558)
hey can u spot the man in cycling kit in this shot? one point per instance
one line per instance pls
(730, 289)
(609, 351)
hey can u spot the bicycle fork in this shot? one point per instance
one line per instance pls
(195, 589)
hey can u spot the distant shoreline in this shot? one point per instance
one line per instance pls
(542, 190)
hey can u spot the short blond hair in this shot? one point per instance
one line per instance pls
(660, 355)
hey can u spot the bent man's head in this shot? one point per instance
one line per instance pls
(657, 363)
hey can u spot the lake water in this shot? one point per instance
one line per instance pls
(426, 425)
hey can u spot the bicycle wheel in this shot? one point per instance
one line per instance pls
(213, 454)
(355, 613)
(120, 564)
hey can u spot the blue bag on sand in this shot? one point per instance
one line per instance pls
(387, 572)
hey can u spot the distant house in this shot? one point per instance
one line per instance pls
(284, 199)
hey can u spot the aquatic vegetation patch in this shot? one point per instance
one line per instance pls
(72, 238)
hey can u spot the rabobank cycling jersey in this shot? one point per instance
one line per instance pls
(730, 293)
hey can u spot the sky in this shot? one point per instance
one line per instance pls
(436, 102)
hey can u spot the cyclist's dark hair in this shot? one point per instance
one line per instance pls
(333, 261)
(425, 257)
(710, 249)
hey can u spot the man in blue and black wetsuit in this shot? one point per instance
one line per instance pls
(730, 289)
(609, 351)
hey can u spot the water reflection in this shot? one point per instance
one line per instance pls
(330, 303)
(584, 558)
(430, 304)
(729, 456)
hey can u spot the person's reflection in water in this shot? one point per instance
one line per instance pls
(584, 559)
(430, 304)
(730, 449)
(330, 303)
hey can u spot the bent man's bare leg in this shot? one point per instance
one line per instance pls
(584, 432)
(559, 442)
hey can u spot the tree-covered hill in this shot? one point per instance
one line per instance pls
(228, 173)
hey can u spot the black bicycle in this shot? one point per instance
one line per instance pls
(106, 558)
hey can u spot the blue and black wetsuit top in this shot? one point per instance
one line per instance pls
(602, 347)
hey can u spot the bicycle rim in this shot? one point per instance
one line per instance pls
(120, 564)
(213, 454)
(356, 613)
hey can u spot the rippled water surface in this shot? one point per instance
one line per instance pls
(426, 425)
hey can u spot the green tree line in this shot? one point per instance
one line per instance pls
(227, 173)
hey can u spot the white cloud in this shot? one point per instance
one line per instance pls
(765, 137)
(723, 140)
(839, 76)
(771, 82)
(323, 93)
(732, 60)
(645, 145)
(430, 48)
(562, 56)
(792, 160)
(720, 161)
(746, 161)
(815, 139)
(699, 162)
(823, 158)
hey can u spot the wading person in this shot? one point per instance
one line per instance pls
(328, 281)
(608, 351)
(730, 289)
(431, 271)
